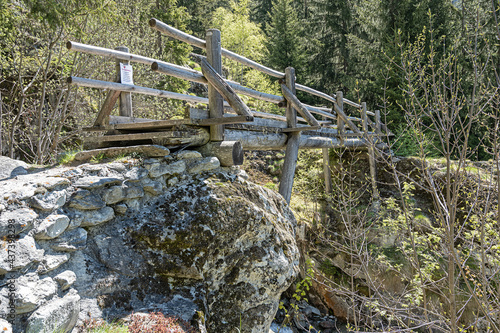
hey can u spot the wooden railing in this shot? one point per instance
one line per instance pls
(223, 96)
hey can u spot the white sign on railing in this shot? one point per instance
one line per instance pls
(126, 74)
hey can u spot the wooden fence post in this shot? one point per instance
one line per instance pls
(292, 145)
(339, 105)
(216, 103)
(378, 126)
(125, 97)
(370, 142)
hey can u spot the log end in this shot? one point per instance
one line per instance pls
(154, 66)
(238, 155)
(69, 80)
(152, 22)
(69, 45)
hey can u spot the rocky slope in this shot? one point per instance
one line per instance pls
(176, 234)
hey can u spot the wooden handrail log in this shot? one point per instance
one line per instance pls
(200, 43)
(78, 81)
(195, 76)
(224, 89)
(177, 34)
(290, 97)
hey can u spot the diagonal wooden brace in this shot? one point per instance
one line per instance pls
(225, 90)
(294, 101)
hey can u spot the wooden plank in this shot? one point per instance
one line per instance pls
(215, 105)
(113, 120)
(159, 124)
(107, 107)
(224, 89)
(300, 129)
(292, 99)
(148, 150)
(195, 136)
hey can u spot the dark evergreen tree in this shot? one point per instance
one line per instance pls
(284, 37)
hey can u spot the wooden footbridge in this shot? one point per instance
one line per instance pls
(228, 126)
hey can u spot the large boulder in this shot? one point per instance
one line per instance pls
(236, 237)
(11, 168)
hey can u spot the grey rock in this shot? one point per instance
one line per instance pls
(19, 253)
(16, 221)
(113, 195)
(133, 192)
(206, 164)
(96, 217)
(50, 262)
(51, 183)
(72, 173)
(31, 292)
(49, 201)
(188, 155)
(93, 182)
(120, 209)
(11, 168)
(117, 166)
(5, 326)
(58, 315)
(173, 181)
(86, 200)
(237, 238)
(160, 169)
(133, 204)
(136, 174)
(52, 226)
(70, 241)
(153, 187)
(65, 279)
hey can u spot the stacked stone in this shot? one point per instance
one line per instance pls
(44, 220)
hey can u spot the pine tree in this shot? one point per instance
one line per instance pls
(284, 37)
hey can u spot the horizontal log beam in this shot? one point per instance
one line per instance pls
(195, 76)
(193, 136)
(147, 150)
(82, 82)
(179, 35)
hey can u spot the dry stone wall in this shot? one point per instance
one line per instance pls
(176, 234)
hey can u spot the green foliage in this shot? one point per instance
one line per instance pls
(285, 44)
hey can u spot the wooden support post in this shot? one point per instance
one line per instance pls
(370, 142)
(339, 107)
(216, 103)
(378, 123)
(292, 145)
(125, 97)
(327, 171)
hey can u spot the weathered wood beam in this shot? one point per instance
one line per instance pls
(293, 141)
(148, 150)
(193, 136)
(78, 81)
(159, 124)
(106, 108)
(195, 76)
(179, 35)
(125, 100)
(225, 90)
(371, 152)
(216, 102)
(229, 153)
